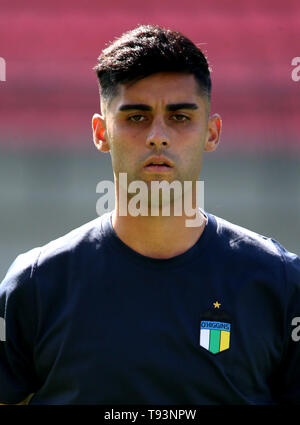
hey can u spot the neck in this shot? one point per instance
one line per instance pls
(159, 236)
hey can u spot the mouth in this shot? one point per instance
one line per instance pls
(158, 167)
(158, 164)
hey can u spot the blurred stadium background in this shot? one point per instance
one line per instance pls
(49, 167)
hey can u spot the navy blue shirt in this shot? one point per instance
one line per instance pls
(90, 321)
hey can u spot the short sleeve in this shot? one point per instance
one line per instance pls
(18, 324)
(289, 382)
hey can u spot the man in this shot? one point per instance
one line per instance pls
(144, 309)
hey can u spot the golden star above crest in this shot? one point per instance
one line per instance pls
(217, 305)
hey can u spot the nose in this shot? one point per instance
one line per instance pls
(158, 136)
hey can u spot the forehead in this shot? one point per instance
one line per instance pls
(159, 89)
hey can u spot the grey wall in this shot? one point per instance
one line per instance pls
(44, 195)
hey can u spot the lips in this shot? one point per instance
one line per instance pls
(154, 164)
(158, 161)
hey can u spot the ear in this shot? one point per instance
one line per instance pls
(99, 133)
(213, 133)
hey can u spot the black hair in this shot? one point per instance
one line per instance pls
(146, 50)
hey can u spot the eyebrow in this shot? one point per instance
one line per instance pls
(169, 107)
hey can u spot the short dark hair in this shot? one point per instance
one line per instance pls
(146, 50)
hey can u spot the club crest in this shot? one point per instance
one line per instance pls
(215, 328)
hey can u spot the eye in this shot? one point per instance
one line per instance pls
(180, 117)
(136, 118)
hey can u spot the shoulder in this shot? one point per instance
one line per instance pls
(82, 237)
(242, 243)
(241, 239)
(54, 252)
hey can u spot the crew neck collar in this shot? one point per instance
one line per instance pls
(189, 255)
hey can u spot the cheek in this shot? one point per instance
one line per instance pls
(191, 161)
(123, 153)
(122, 137)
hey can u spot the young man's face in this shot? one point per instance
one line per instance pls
(160, 115)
